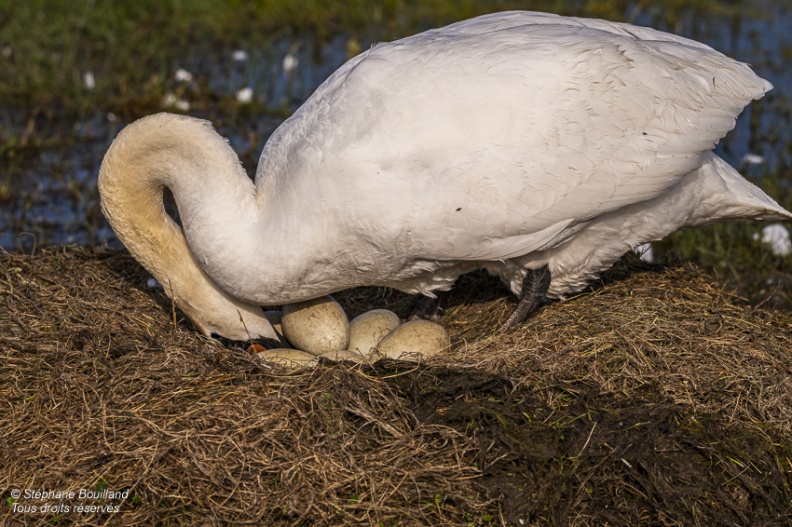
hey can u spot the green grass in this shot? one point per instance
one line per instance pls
(745, 265)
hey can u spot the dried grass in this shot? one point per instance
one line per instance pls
(656, 399)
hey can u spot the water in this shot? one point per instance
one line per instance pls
(59, 202)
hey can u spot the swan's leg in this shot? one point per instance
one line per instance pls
(428, 308)
(534, 289)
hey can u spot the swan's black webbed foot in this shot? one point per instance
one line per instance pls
(428, 308)
(534, 289)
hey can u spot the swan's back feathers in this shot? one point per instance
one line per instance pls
(510, 19)
(494, 132)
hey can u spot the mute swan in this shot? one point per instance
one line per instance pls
(539, 147)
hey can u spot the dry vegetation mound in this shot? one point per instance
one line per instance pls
(656, 399)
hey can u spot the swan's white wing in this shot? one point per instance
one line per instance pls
(487, 139)
(510, 19)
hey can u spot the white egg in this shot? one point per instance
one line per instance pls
(418, 337)
(367, 329)
(316, 326)
(287, 357)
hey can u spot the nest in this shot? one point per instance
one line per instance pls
(654, 399)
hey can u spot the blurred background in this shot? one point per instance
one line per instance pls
(72, 74)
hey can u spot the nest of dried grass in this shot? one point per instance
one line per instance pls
(656, 399)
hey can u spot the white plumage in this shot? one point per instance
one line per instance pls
(509, 141)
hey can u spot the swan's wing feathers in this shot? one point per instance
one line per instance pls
(477, 140)
(485, 24)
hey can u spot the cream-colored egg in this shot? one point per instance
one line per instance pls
(288, 357)
(340, 355)
(316, 326)
(344, 355)
(274, 318)
(418, 337)
(367, 329)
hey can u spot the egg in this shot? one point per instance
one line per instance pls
(344, 355)
(316, 326)
(340, 355)
(287, 357)
(419, 337)
(367, 329)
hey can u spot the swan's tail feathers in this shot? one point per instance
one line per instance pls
(734, 197)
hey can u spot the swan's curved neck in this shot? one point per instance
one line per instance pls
(215, 199)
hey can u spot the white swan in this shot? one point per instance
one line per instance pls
(519, 142)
